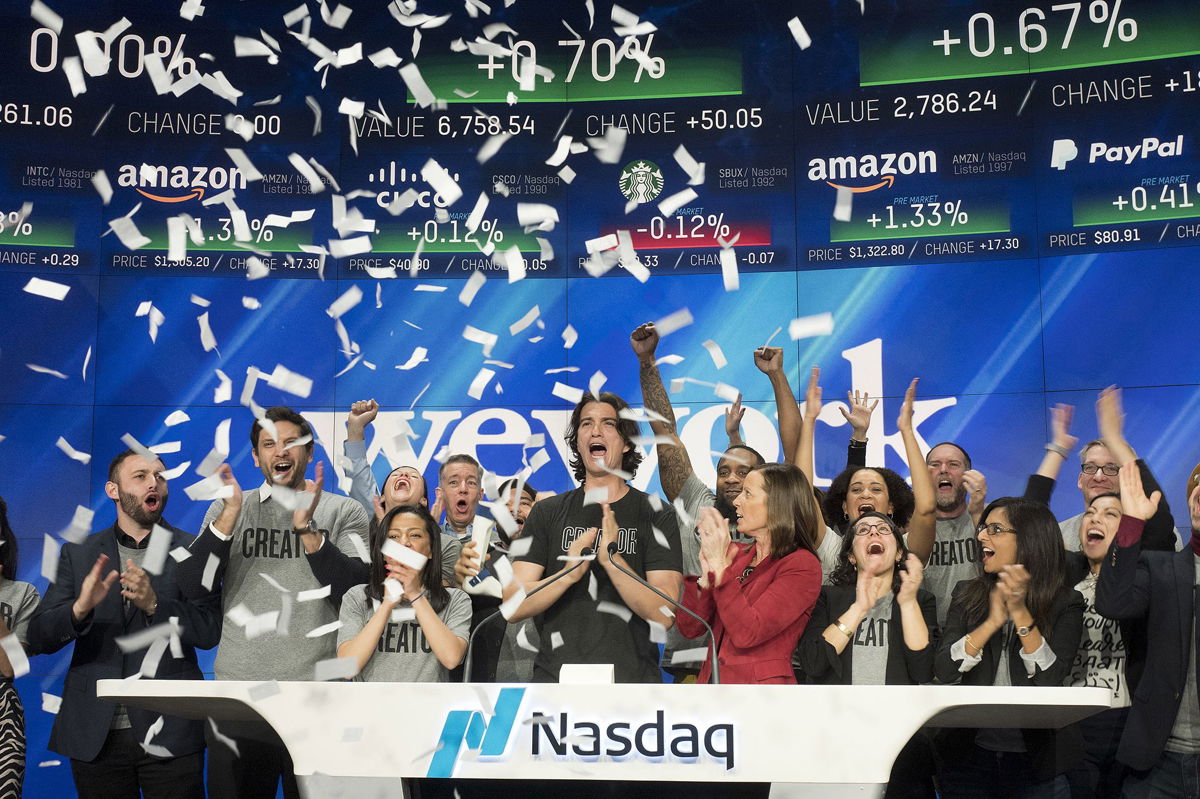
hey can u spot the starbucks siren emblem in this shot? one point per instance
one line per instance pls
(641, 181)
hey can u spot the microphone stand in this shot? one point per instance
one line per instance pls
(712, 640)
(471, 639)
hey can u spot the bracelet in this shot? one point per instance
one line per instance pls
(858, 444)
(971, 644)
(846, 631)
(1057, 450)
(419, 596)
(153, 609)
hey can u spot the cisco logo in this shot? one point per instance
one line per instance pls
(397, 178)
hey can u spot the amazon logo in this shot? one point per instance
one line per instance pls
(875, 171)
(177, 184)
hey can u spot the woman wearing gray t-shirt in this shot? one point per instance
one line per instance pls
(403, 625)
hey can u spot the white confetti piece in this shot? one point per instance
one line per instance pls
(436, 176)
(569, 337)
(263, 690)
(482, 337)
(729, 269)
(482, 378)
(324, 629)
(799, 34)
(537, 216)
(416, 85)
(696, 655)
(658, 633)
(523, 639)
(46, 288)
(358, 245)
(842, 206)
(156, 552)
(44, 15)
(384, 58)
(16, 655)
(671, 204)
(568, 393)
(608, 149)
(208, 489)
(810, 326)
(285, 379)
(620, 611)
(414, 360)
(693, 168)
(471, 287)
(80, 526)
(335, 669)
(492, 146)
(225, 739)
(403, 555)
(714, 352)
(596, 496)
(128, 233)
(207, 339)
(180, 554)
(210, 571)
(673, 322)
(51, 703)
(601, 243)
(726, 392)
(509, 606)
(661, 539)
(525, 321)
(314, 181)
(224, 390)
(176, 417)
(103, 186)
(596, 382)
(45, 370)
(49, 558)
(189, 11)
(71, 452)
(313, 593)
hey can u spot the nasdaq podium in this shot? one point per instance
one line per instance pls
(361, 739)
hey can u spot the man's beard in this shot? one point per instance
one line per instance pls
(726, 509)
(135, 510)
(960, 498)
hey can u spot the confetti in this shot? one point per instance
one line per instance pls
(729, 269)
(482, 337)
(313, 593)
(841, 207)
(799, 34)
(491, 147)
(49, 558)
(673, 322)
(156, 554)
(414, 360)
(437, 177)
(16, 655)
(210, 571)
(509, 606)
(525, 321)
(658, 633)
(207, 339)
(225, 739)
(620, 611)
(324, 629)
(523, 639)
(103, 186)
(671, 204)
(696, 655)
(44, 15)
(263, 690)
(309, 174)
(810, 326)
(51, 703)
(482, 378)
(693, 168)
(714, 352)
(180, 554)
(569, 337)
(71, 452)
(46, 288)
(568, 393)
(224, 390)
(403, 555)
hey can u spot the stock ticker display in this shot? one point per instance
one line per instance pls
(462, 209)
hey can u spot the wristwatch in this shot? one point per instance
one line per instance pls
(1024, 631)
(311, 527)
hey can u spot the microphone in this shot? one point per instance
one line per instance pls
(712, 639)
(587, 551)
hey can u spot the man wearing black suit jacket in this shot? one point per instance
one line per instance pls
(1161, 741)
(114, 750)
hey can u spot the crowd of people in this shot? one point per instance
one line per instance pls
(870, 582)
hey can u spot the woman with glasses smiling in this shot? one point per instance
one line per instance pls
(1016, 623)
(874, 625)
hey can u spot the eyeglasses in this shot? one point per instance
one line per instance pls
(995, 529)
(882, 528)
(1110, 469)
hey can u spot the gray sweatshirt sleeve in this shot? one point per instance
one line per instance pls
(363, 487)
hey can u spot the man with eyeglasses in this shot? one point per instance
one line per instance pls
(960, 494)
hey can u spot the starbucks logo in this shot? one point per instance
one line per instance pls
(641, 181)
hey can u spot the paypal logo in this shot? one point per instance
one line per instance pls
(469, 727)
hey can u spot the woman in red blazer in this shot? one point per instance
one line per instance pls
(757, 596)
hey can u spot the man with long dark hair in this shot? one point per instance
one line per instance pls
(597, 614)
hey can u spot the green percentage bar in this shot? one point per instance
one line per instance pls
(903, 223)
(37, 233)
(403, 241)
(1076, 35)
(691, 73)
(1174, 202)
(270, 239)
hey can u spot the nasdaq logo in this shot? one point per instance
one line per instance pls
(489, 738)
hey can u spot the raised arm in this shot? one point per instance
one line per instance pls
(922, 525)
(859, 417)
(805, 445)
(769, 361)
(363, 487)
(674, 466)
(1110, 418)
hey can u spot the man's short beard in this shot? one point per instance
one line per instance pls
(960, 498)
(726, 509)
(133, 508)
